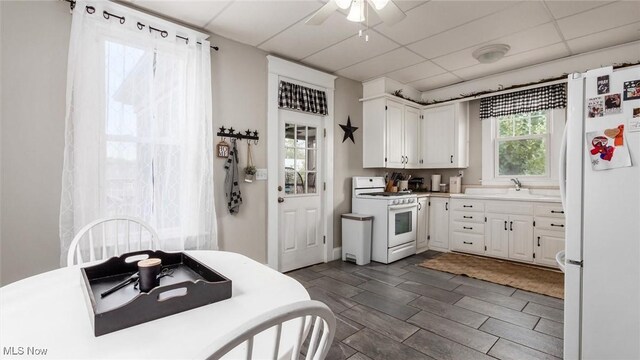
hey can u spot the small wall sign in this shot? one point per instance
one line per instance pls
(222, 149)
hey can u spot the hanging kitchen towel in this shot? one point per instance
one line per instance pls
(231, 185)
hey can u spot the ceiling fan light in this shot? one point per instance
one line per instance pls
(490, 53)
(380, 4)
(356, 14)
(343, 4)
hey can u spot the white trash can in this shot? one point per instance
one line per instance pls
(356, 238)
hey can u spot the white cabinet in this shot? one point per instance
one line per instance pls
(445, 137)
(466, 226)
(423, 224)
(395, 135)
(439, 224)
(497, 235)
(520, 236)
(411, 141)
(548, 233)
(548, 244)
(390, 134)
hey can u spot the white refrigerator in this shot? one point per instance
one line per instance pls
(602, 209)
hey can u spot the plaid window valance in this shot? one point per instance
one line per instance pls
(297, 97)
(538, 99)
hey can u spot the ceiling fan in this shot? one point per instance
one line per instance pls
(388, 11)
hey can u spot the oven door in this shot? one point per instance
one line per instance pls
(402, 224)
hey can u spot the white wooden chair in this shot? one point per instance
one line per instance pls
(306, 312)
(114, 248)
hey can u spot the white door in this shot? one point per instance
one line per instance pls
(395, 135)
(439, 223)
(520, 237)
(548, 244)
(438, 137)
(423, 224)
(300, 179)
(411, 137)
(497, 235)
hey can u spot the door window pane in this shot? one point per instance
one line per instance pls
(300, 159)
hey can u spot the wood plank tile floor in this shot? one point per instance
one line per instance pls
(404, 311)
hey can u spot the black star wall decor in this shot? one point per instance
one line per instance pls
(348, 130)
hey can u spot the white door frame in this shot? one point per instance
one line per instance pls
(282, 69)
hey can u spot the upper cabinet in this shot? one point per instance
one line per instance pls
(390, 135)
(400, 136)
(445, 137)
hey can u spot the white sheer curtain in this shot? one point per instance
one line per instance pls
(138, 128)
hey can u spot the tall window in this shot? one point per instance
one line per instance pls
(138, 129)
(521, 145)
(521, 135)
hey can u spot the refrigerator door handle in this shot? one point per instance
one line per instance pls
(562, 173)
(575, 262)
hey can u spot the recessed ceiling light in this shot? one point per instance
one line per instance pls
(490, 53)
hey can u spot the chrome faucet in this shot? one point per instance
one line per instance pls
(518, 184)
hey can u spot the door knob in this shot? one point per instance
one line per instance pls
(280, 200)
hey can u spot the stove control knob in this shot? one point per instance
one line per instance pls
(395, 202)
(411, 201)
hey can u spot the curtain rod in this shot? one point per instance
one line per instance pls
(107, 15)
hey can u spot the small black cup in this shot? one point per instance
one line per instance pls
(149, 269)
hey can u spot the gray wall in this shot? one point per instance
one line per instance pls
(347, 155)
(35, 43)
(34, 62)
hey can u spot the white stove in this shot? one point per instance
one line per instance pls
(394, 218)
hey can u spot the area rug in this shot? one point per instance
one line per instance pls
(530, 278)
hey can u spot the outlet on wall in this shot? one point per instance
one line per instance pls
(261, 174)
(461, 173)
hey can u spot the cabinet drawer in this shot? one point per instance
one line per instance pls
(550, 210)
(549, 223)
(464, 216)
(471, 228)
(467, 242)
(467, 205)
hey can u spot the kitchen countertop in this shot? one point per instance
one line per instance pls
(489, 197)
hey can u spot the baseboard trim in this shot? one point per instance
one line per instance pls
(337, 253)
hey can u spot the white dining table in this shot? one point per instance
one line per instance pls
(49, 312)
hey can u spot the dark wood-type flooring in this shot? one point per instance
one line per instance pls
(404, 311)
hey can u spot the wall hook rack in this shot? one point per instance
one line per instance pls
(232, 133)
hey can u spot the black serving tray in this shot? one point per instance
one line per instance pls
(191, 285)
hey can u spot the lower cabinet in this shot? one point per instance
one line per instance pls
(548, 244)
(438, 235)
(507, 229)
(423, 224)
(496, 238)
(520, 236)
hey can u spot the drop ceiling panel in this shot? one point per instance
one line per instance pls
(564, 8)
(437, 16)
(540, 36)
(404, 5)
(619, 35)
(435, 82)
(382, 64)
(302, 40)
(252, 22)
(197, 13)
(600, 19)
(514, 61)
(422, 70)
(516, 18)
(350, 51)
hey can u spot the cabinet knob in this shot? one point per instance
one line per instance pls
(452, 159)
